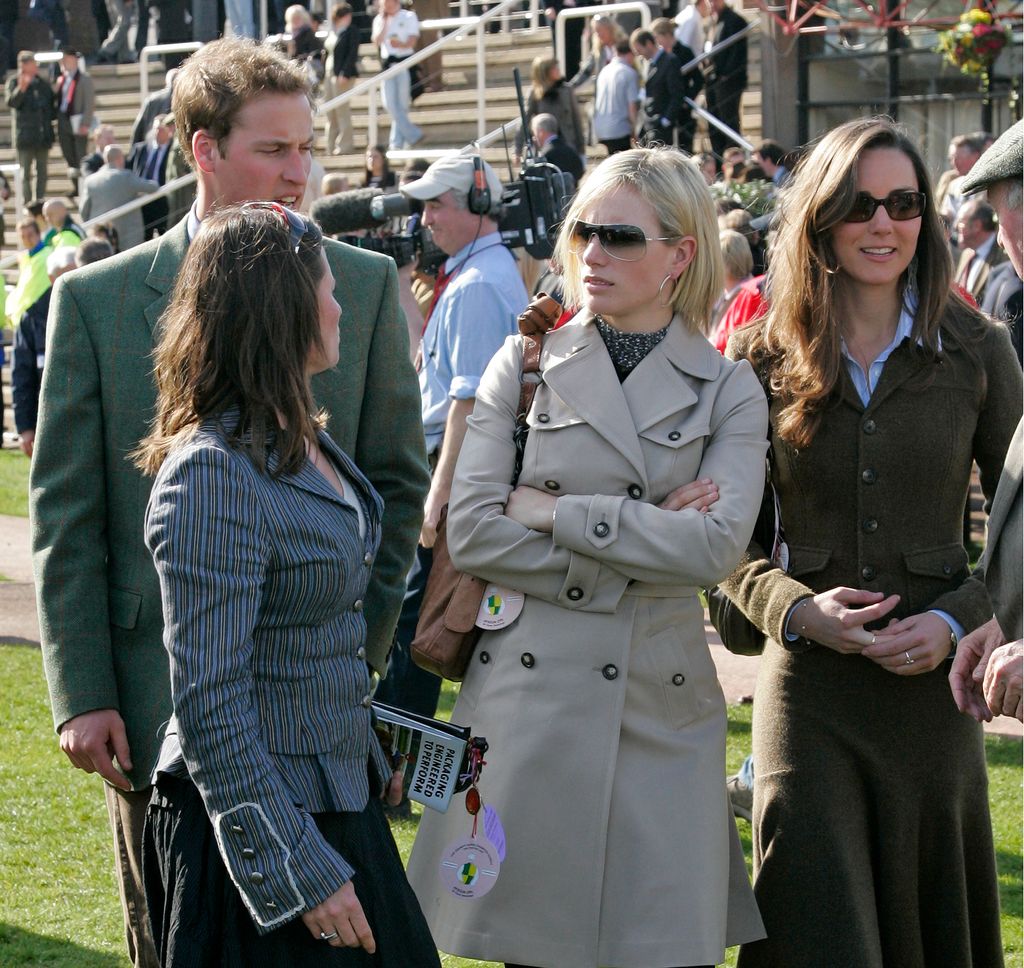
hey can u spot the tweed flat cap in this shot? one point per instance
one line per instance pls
(1005, 159)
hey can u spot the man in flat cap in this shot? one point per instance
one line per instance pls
(988, 672)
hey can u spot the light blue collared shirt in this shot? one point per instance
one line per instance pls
(476, 311)
(865, 384)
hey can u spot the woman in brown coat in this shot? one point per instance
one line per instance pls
(600, 702)
(872, 839)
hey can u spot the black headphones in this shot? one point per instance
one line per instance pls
(479, 202)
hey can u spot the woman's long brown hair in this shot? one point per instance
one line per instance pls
(801, 334)
(237, 334)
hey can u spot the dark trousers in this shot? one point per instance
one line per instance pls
(615, 145)
(406, 685)
(686, 131)
(724, 103)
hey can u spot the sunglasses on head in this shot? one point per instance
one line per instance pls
(298, 226)
(900, 206)
(627, 243)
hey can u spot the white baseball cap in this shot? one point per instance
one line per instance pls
(452, 171)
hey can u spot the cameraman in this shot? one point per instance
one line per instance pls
(478, 295)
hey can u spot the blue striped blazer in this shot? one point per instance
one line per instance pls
(262, 582)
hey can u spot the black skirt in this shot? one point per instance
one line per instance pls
(199, 920)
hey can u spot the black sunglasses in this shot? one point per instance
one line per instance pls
(627, 243)
(900, 206)
(298, 226)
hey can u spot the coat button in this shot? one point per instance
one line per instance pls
(635, 491)
(485, 657)
(868, 573)
(678, 679)
(574, 594)
(235, 829)
(551, 485)
(248, 853)
(256, 878)
(542, 418)
(357, 605)
(610, 672)
(870, 526)
(366, 702)
(360, 653)
(868, 476)
(674, 435)
(947, 569)
(270, 906)
(601, 529)
(367, 559)
(527, 660)
(869, 427)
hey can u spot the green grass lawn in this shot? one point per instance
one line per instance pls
(58, 901)
(13, 482)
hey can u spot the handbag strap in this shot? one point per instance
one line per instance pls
(536, 320)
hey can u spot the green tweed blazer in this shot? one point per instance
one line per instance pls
(98, 597)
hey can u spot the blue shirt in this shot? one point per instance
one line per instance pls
(476, 311)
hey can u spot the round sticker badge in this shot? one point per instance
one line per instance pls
(500, 607)
(470, 867)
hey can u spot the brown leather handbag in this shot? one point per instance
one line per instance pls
(446, 632)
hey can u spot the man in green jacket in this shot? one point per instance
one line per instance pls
(244, 118)
(30, 99)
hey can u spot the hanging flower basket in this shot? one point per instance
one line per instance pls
(974, 42)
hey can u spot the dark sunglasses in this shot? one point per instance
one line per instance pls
(298, 226)
(899, 206)
(627, 243)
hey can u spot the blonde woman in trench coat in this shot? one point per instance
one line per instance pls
(641, 480)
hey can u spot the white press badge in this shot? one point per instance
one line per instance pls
(500, 607)
(470, 867)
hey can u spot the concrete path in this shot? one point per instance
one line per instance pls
(18, 622)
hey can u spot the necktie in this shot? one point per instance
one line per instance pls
(965, 272)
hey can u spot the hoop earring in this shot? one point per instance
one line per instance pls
(665, 305)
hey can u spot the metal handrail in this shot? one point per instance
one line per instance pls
(13, 168)
(720, 46)
(182, 181)
(465, 25)
(155, 50)
(575, 13)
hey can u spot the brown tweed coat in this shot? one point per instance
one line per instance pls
(872, 838)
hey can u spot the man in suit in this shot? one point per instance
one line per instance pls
(663, 88)
(544, 128)
(693, 80)
(245, 124)
(979, 253)
(74, 100)
(726, 74)
(112, 186)
(1004, 300)
(987, 677)
(159, 102)
(148, 159)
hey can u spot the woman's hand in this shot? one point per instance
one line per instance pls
(968, 671)
(531, 508)
(912, 646)
(836, 618)
(340, 921)
(698, 496)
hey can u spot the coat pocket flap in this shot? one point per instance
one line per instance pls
(675, 433)
(806, 561)
(124, 607)
(945, 561)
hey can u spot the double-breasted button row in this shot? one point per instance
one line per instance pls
(601, 529)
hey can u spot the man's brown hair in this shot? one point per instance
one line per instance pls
(218, 80)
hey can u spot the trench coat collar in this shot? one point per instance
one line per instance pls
(163, 271)
(577, 367)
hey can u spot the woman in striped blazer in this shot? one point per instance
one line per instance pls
(265, 841)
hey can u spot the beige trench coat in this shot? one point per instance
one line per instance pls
(601, 704)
